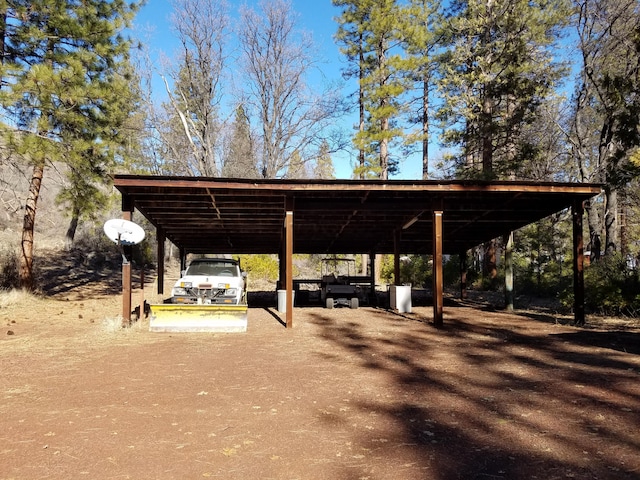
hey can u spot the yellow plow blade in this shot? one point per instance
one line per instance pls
(198, 318)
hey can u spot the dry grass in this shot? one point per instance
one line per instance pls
(17, 297)
(113, 324)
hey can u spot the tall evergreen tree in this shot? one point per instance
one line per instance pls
(351, 36)
(384, 83)
(64, 92)
(422, 31)
(297, 167)
(239, 160)
(323, 168)
(497, 70)
(88, 168)
(372, 30)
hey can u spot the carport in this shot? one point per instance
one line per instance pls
(283, 217)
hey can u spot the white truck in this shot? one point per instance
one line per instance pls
(209, 296)
(210, 281)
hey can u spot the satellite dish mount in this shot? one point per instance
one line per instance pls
(123, 233)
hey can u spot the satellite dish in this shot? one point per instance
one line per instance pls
(123, 232)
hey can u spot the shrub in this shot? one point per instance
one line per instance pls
(611, 288)
(414, 269)
(9, 262)
(546, 280)
(418, 270)
(451, 272)
(261, 267)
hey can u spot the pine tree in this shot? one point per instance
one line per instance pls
(371, 29)
(240, 152)
(497, 70)
(323, 168)
(351, 35)
(66, 90)
(422, 34)
(297, 167)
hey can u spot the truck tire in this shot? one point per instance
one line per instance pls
(354, 303)
(328, 302)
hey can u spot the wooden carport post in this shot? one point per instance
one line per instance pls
(577, 211)
(288, 227)
(373, 297)
(127, 214)
(437, 268)
(396, 257)
(160, 236)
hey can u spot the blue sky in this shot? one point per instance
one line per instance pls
(153, 27)
(316, 16)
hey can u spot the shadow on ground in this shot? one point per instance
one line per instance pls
(94, 274)
(489, 398)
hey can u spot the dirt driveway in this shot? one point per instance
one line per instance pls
(366, 394)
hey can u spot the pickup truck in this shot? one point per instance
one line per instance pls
(211, 281)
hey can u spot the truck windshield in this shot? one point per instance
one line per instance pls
(216, 269)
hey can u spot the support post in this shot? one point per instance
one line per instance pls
(373, 297)
(396, 257)
(577, 211)
(289, 267)
(437, 269)
(281, 284)
(127, 213)
(508, 272)
(142, 300)
(160, 251)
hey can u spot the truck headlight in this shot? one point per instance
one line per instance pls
(179, 291)
(231, 291)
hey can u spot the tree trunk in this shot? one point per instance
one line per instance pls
(71, 231)
(487, 139)
(26, 257)
(595, 229)
(469, 158)
(486, 118)
(384, 152)
(425, 129)
(361, 157)
(622, 224)
(611, 225)
(3, 33)
(378, 267)
(490, 262)
(384, 102)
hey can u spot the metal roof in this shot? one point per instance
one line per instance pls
(219, 215)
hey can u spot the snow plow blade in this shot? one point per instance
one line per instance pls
(198, 318)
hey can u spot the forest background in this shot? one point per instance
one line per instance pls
(482, 89)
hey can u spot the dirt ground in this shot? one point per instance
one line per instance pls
(344, 394)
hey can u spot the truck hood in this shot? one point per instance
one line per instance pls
(215, 281)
